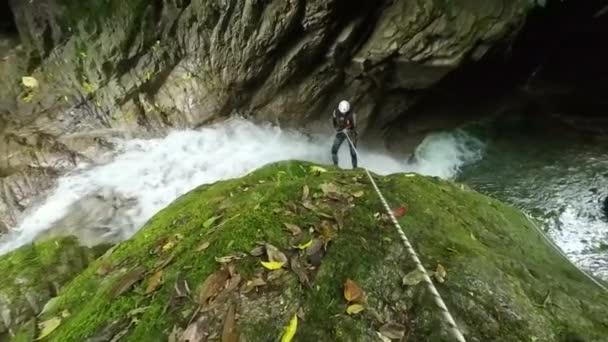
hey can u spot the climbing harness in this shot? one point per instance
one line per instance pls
(445, 313)
(560, 251)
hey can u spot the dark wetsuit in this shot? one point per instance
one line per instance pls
(343, 122)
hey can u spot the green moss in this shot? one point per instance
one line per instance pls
(499, 270)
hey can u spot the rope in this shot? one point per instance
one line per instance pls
(445, 313)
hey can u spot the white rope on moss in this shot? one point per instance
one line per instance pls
(426, 279)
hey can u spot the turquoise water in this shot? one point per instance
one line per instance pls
(557, 176)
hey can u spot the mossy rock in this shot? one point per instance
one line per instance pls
(33, 274)
(503, 282)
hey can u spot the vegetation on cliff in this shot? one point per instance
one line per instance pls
(204, 268)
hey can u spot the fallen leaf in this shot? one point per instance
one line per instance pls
(229, 258)
(104, 269)
(327, 232)
(175, 333)
(440, 273)
(230, 332)
(276, 274)
(317, 170)
(399, 212)
(473, 237)
(329, 188)
(160, 264)
(394, 331)
(298, 269)
(168, 246)
(294, 229)
(258, 251)
(290, 330)
(325, 215)
(47, 327)
(126, 281)
(273, 265)
(304, 245)
(203, 246)
(314, 247)
(413, 278)
(358, 194)
(309, 206)
(305, 193)
(156, 280)
(29, 82)
(252, 284)
(274, 254)
(352, 291)
(210, 221)
(382, 337)
(212, 286)
(354, 309)
(195, 332)
(65, 313)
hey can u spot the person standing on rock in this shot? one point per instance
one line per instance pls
(343, 120)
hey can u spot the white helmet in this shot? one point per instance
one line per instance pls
(344, 106)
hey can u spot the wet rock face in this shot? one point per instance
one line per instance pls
(34, 274)
(139, 68)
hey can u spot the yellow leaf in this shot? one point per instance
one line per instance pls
(29, 82)
(306, 245)
(168, 246)
(354, 309)
(273, 265)
(290, 330)
(47, 327)
(358, 194)
(317, 169)
(156, 280)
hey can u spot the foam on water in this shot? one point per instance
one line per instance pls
(157, 171)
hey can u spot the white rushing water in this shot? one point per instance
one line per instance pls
(155, 172)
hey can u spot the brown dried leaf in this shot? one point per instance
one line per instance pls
(314, 247)
(352, 291)
(258, 251)
(327, 232)
(212, 286)
(309, 206)
(252, 284)
(329, 188)
(195, 332)
(274, 254)
(440, 273)
(104, 269)
(294, 229)
(413, 278)
(175, 333)
(164, 262)
(274, 275)
(298, 269)
(127, 281)
(394, 331)
(203, 246)
(230, 332)
(358, 194)
(229, 258)
(305, 193)
(233, 283)
(155, 282)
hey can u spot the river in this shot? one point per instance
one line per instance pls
(557, 177)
